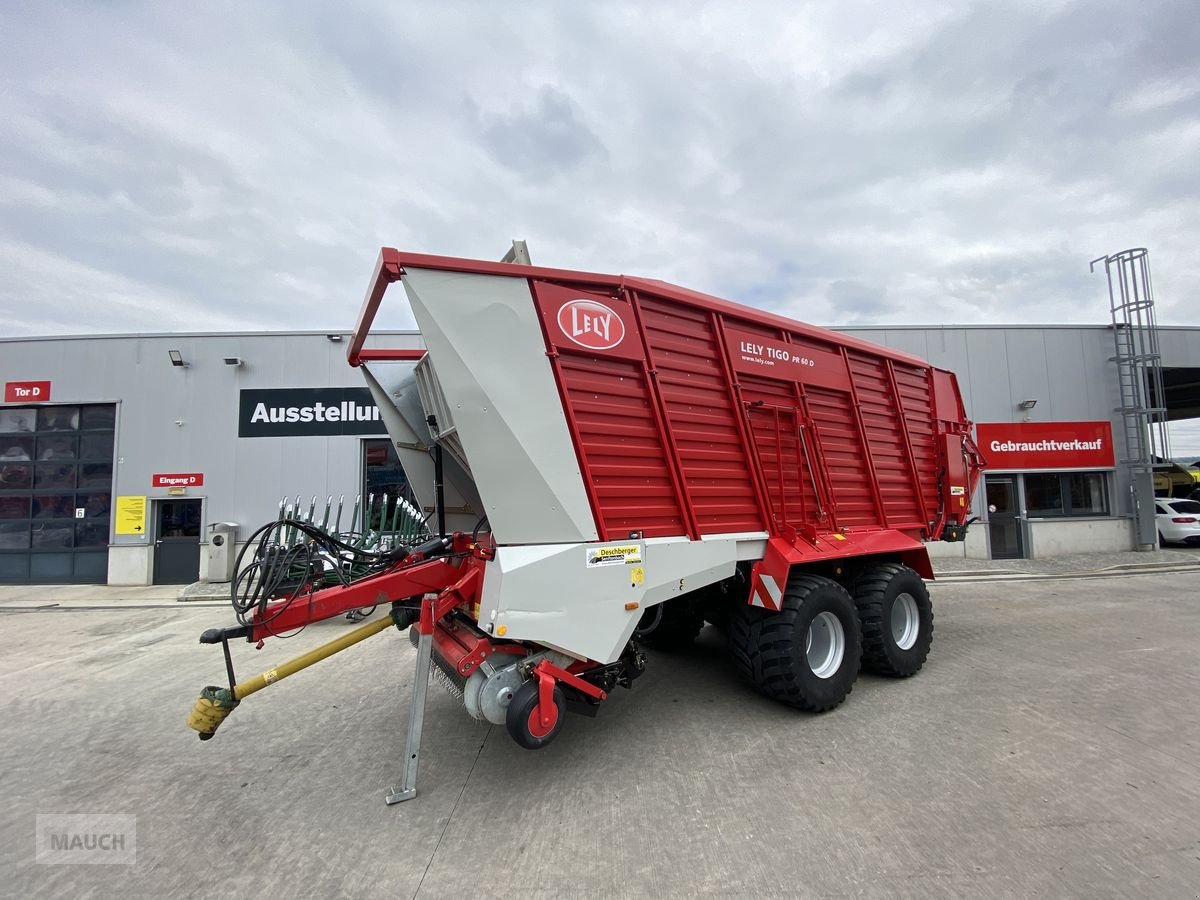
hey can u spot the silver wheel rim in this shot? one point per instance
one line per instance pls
(906, 621)
(825, 645)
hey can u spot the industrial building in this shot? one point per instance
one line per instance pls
(119, 454)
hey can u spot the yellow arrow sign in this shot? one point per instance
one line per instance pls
(131, 515)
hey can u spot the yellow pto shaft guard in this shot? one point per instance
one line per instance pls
(216, 703)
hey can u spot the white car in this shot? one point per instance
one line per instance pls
(1178, 521)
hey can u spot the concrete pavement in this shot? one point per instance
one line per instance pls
(1048, 748)
(1163, 559)
(80, 596)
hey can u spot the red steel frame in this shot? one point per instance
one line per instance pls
(455, 581)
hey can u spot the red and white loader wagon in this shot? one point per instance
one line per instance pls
(616, 459)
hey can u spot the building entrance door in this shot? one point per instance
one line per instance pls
(176, 541)
(1004, 522)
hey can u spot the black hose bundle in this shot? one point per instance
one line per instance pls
(281, 568)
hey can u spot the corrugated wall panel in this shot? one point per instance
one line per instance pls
(885, 441)
(915, 399)
(691, 380)
(844, 458)
(789, 485)
(671, 442)
(621, 447)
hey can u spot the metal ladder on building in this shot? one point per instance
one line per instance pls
(1142, 399)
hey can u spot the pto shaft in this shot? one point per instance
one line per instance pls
(216, 703)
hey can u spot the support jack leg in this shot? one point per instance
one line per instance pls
(407, 789)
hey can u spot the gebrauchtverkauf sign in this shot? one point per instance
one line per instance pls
(1046, 445)
(295, 412)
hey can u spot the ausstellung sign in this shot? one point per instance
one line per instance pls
(292, 412)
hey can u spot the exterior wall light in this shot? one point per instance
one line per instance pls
(1027, 404)
(335, 338)
(233, 360)
(177, 359)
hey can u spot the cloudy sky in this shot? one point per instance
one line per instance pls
(221, 166)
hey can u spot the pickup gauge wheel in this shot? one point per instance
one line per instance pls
(524, 722)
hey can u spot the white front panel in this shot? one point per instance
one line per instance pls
(559, 596)
(486, 344)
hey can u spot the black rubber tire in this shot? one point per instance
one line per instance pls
(676, 629)
(521, 707)
(769, 647)
(875, 591)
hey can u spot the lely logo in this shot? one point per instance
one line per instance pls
(591, 324)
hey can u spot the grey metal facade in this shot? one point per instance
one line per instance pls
(1067, 367)
(173, 419)
(1069, 370)
(184, 419)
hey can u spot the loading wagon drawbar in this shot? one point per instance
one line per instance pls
(614, 461)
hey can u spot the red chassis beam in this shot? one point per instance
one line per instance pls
(431, 576)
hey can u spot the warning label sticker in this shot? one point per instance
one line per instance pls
(957, 491)
(624, 555)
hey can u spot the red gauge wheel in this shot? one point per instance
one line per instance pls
(524, 719)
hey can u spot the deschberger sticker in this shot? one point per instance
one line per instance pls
(624, 555)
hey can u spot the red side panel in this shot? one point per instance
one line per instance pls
(958, 497)
(698, 402)
(602, 373)
(622, 453)
(795, 360)
(692, 421)
(883, 422)
(794, 496)
(959, 461)
(913, 389)
(947, 401)
(833, 415)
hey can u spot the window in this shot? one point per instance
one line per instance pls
(1087, 494)
(56, 469)
(1058, 494)
(1043, 496)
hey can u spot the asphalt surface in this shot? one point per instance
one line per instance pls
(1048, 748)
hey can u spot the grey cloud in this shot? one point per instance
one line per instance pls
(244, 164)
(856, 301)
(544, 139)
